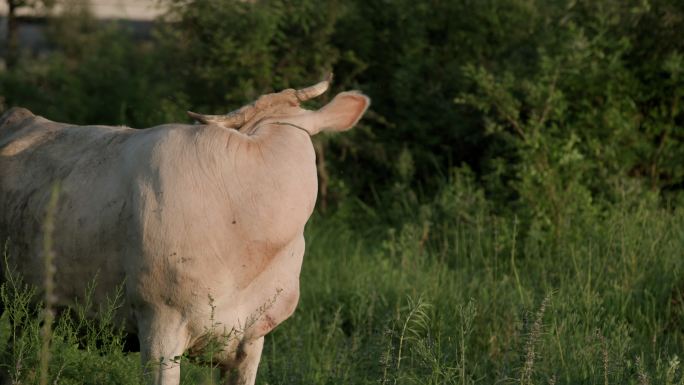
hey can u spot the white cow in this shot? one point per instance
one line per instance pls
(180, 213)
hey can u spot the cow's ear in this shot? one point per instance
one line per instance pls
(342, 113)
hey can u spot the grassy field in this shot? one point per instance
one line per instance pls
(439, 293)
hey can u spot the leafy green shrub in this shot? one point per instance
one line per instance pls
(574, 123)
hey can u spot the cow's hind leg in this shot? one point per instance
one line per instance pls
(244, 371)
(163, 339)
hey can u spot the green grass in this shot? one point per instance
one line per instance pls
(439, 298)
(601, 305)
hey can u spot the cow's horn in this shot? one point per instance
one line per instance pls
(313, 91)
(233, 119)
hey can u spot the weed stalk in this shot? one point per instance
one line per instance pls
(49, 282)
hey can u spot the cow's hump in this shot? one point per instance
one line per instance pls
(14, 115)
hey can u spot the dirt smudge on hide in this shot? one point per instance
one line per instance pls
(268, 324)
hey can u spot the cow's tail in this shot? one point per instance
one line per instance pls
(14, 115)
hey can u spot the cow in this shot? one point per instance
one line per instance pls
(202, 223)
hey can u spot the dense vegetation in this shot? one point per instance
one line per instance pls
(509, 211)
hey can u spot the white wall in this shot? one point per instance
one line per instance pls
(109, 9)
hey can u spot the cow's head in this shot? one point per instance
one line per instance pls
(283, 107)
